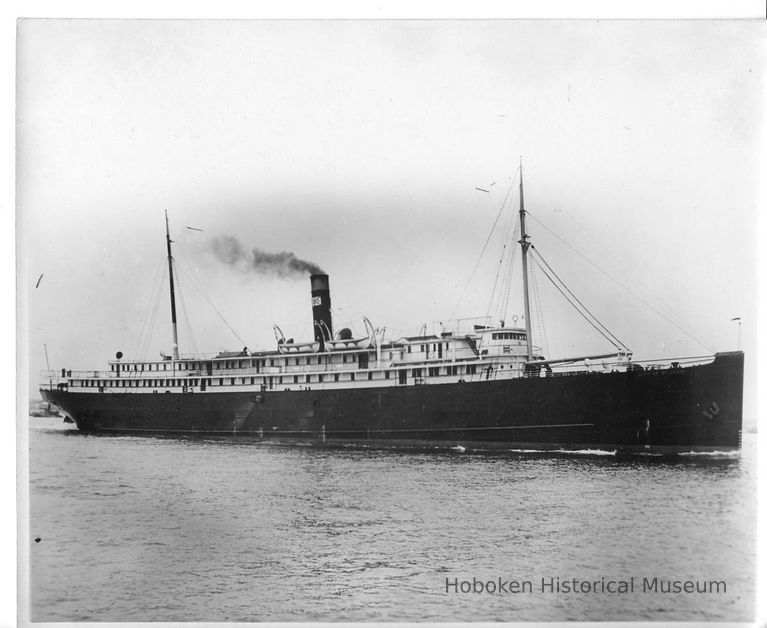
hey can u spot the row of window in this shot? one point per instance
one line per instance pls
(362, 358)
(436, 371)
(508, 335)
(136, 383)
(425, 348)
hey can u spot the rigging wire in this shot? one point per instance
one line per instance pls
(504, 263)
(153, 306)
(612, 258)
(185, 312)
(215, 309)
(667, 318)
(153, 317)
(567, 298)
(573, 304)
(495, 282)
(484, 248)
(539, 310)
(564, 285)
(595, 242)
(503, 306)
(152, 321)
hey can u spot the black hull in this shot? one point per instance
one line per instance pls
(681, 409)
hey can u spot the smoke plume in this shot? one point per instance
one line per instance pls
(283, 264)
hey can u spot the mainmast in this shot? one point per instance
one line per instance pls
(525, 245)
(172, 292)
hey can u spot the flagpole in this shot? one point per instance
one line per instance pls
(737, 318)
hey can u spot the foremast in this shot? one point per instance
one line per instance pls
(525, 245)
(172, 290)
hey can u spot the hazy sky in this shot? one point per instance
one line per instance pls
(359, 146)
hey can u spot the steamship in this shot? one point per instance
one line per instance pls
(486, 387)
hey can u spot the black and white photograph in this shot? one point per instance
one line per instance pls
(388, 320)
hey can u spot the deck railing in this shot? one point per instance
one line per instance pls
(52, 379)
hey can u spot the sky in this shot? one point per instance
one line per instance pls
(359, 146)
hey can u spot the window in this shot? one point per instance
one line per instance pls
(295, 379)
(370, 375)
(471, 369)
(387, 375)
(433, 371)
(336, 377)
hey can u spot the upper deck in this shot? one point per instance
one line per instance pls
(488, 353)
(413, 360)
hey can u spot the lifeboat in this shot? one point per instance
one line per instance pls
(288, 346)
(345, 342)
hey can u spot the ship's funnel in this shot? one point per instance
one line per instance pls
(321, 308)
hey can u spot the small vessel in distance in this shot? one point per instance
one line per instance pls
(488, 388)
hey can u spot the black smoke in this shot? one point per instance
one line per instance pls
(283, 264)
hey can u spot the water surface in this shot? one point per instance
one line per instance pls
(161, 529)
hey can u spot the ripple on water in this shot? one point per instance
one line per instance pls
(158, 529)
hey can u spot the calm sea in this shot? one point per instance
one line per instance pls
(157, 529)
